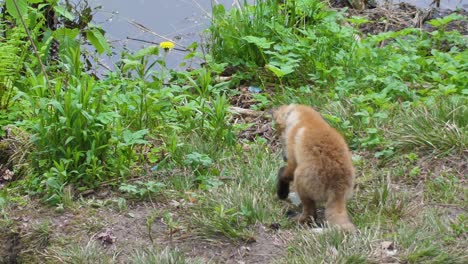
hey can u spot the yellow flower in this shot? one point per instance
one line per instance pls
(166, 45)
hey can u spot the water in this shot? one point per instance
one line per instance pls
(180, 21)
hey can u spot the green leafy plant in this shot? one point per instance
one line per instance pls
(77, 135)
(149, 97)
(440, 35)
(142, 189)
(202, 166)
(10, 63)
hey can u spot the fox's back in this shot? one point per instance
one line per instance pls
(322, 149)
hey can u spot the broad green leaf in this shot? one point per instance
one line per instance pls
(438, 22)
(287, 69)
(66, 32)
(97, 40)
(69, 139)
(140, 133)
(277, 71)
(57, 106)
(11, 8)
(61, 10)
(148, 51)
(219, 10)
(260, 42)
(280, 72)
(135, 137)
(107, 118)
(130, 64)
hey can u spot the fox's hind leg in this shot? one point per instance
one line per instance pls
(336, 213)
(309, 211)
(309, 208)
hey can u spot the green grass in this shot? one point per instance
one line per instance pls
(446, 188)
(89, 253)
(332, 246)
(244, 198)
(40, 235)
(164, 256)
(438, 127)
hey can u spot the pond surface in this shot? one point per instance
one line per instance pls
(181, 21)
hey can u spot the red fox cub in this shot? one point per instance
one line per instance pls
(318, 162)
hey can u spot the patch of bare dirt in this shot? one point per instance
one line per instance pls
(122, 233)
(10, 246)
(268, 245)
(452, 164)
(15, 232)
(132, 233)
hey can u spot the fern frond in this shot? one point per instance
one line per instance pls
(10, 64)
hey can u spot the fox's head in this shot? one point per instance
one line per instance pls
(280, 116)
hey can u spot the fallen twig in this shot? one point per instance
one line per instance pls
(145, 29)
(247, 112)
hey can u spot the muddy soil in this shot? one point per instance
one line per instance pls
(121, 233)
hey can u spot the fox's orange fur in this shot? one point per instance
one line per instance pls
(318, 162)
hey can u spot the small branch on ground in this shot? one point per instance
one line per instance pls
(247, 112)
